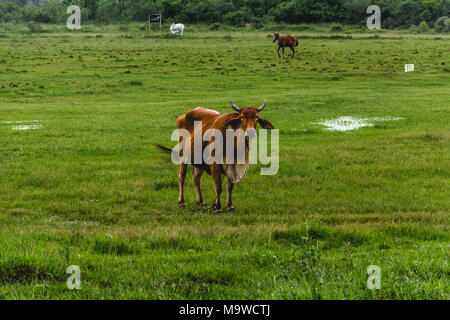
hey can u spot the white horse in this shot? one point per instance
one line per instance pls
(177, 28)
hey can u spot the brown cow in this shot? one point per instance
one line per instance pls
(243, 118)
(285, 41)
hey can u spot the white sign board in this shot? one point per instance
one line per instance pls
(409, 67)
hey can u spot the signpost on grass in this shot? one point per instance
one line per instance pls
(409, 67)
(154, 18)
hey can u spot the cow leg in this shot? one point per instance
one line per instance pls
(217, 178)
(279, 52)
(181, 177)
(197, 175)
(229, 190)
(283, 51)
(293, 52)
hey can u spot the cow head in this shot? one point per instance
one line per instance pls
(248, 117)
(275, 36)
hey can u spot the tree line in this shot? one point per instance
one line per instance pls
(395, 13)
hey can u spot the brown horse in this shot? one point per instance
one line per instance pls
(285, 41)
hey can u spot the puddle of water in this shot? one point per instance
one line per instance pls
(27, 127)
(351, 123)
(23, 124)
(344, 124)
(20, 121)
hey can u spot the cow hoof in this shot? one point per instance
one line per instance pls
(203, 204)
(231, 209)
(216, 210)
(181, 204)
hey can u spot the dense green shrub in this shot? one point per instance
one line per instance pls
(390, 23)
(355, 10)
(214, 26)
(237, 18)
(442, 24)
(447, 25)
(335, 27)
(51, 12)
(108, 12)
(394, 13)
(34, 27)
(423, 27)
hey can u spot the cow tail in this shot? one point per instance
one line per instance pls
(296, 42)
(199, 166)
(165, 149)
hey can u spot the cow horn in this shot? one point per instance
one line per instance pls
(235, 107)
(262, 106)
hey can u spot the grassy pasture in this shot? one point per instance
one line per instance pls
(88, 188)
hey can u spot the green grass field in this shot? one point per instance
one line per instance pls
(85, 186)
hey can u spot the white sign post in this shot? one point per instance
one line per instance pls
(409, 67)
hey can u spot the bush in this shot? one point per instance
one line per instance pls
(34, 27)
(441, 23)
(51, 12)
(303, 27)
(214, 26)
(447, 25)
(408, 12)
(423, 27)
(427, 17)
(6, 18)
(335, 27)
(258, 25)
(390, 23)
(29, 13)
(236, 18)
(108, 12)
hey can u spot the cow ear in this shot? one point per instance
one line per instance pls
(232, 124)
(265, 124)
